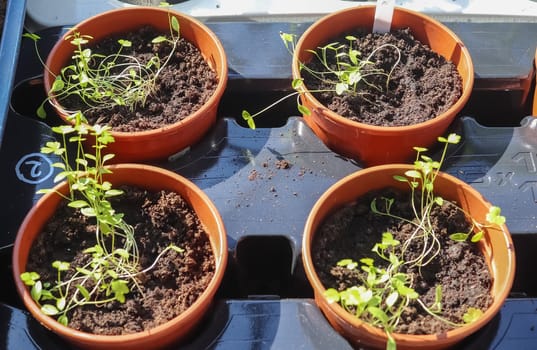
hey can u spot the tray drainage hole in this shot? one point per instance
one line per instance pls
(525, 284)
(264, 265)
(8, 294)
(26, 97)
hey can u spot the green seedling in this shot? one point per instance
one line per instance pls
(349, 75)
(113, 268)
(100, 81)
(384, 292)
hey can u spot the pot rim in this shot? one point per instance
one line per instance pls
(90, 338)
(454, 109)
(401, 339)
(212, 101)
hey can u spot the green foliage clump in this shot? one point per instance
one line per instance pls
(384, 293)
(117, 79)
(348, 75)
(114, 266)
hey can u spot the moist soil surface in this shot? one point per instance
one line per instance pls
(460, 268)
(421, 86)
(175, 283)
(184, 85)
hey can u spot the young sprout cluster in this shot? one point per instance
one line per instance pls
(113, 269)
(385, 292)
(349, 75)
(114, 266)
(105, 81)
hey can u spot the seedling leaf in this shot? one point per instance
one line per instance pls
(36, 291)
(477, 237)
(494, 217)
(84, 292)
(175, 24)
(348, 263)
(248, 117)
(400, 178)
(63, 320)
(60, 304)
(31, 36)
(60, 265)
(392, 298)
(459, 237)
(158, 39)
(332, 295)
(303, 109)
(413, 174)
(472, 315)
(29, 278)
(78, 204)
(120, 288)
(58, 85)
(378, 314)
(49, 310)
(124, 43)
(296, 83)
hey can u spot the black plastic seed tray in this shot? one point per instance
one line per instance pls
(265, 301)
(10, 36)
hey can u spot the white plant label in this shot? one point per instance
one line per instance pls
(383, 16)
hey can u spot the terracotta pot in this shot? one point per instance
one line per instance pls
(148, 177)
(496, 245)
(162, 142)
(375, 144)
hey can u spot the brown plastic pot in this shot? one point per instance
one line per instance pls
(151, 178)
(167, 140)
(375, 144)
(496, 245)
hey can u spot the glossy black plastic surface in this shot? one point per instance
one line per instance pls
(9, 54)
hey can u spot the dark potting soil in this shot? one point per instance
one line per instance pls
(460, 268)
(159, 219)
(422, 85)
(183, 86)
